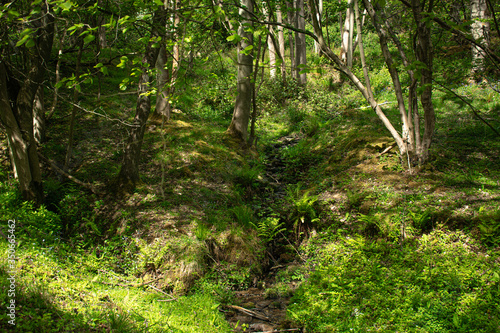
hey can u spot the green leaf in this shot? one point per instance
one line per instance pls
(89, 38)
(234, 38)
(247, 49)
(66, 5)
(23, 40)
(123, 62)
(123, 84)
(30, 43)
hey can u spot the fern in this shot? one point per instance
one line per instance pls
(269, 228)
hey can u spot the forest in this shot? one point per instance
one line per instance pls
(250, 166)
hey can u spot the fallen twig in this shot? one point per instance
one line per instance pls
(249, 312)
(386, 150)
(67, 175)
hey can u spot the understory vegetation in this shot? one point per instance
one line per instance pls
(356, 241)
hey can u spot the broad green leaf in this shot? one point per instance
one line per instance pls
(89, 38)
(23, 40)
(30, 43)
(66, 5)
(234, 38)
(123, 62)
(123, 84)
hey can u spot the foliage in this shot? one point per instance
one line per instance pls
(248, 176)
(243, 215)
(304, 205)
(489, 226)
(268, 228)
(436, 283)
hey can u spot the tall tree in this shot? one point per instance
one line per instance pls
(129, 172)
(319, 14)
(167, 73)
(480, 30)
(17, 92)
(346, 50)
(241, 114)
(300, 42)
(404, 140)
(281, 41)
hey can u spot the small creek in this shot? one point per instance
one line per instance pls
(258, 310)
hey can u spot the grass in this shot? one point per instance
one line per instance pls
(61, 288)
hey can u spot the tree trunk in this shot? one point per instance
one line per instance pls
(58, 72)
(300, 42)
(26, 168)
(163, 78)
(281, 42)
(101, 32)
(241, 115)
(291, 21)
(167, 76)
(424, 54)
(346, 50)
(272, 55)
(18, 120)
(480, 29)
(39, 116)
(129, 172)
(319, 15)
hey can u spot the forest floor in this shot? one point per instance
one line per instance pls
(219, 239)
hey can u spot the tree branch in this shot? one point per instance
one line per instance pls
(473, 109)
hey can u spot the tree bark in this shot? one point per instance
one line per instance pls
(168, 75)
(163, 78)
(58, 71)
(30, 184)
(319, 14)
(291, 22)
(346, 49)
(281, 42)
(129, 175)
(17, 109)
(424, 54)
(272, 55)
(300, 42)
(480, 29)
(241, 115)
(39, 116)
